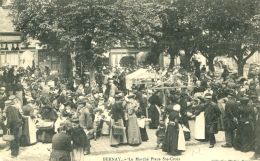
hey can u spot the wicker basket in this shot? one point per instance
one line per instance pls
(8, 136)
(118, 130)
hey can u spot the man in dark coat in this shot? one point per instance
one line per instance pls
(230, 119)
(14, 123)
(212, 114)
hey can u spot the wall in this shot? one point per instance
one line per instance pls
(115, 55)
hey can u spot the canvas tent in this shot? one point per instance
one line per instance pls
(138, 75)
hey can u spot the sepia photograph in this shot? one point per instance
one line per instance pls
(129, 80)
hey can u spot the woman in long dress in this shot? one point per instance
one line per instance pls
(133, 131)
(174, 142)
(154, 110)
(117, 115)
(80, 141)
(244, 140)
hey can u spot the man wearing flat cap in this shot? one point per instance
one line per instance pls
(230, 119)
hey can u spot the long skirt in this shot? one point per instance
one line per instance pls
(170, 144)
(77, 154)
(29, 131)
(181, 139)
(244, 140)
(117, 139)
(155, 117)
(133, 131)
(144, 135)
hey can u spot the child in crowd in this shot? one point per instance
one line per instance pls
(98, 122)
(160, 133)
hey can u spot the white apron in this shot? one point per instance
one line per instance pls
(181, 139)
(199, 130)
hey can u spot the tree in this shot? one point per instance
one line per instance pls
(178, 30)
(84, 29)
(233, 23)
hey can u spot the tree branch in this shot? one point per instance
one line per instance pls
(249, 55)
(235, 58)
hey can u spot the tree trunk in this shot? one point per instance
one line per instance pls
(161, 60)
(172, 63)
(67, 65)
(240, 67)
(185, 61)
(172, 57)
(211, 64)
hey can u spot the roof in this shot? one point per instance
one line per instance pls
(5, 21)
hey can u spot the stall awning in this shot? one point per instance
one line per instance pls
(140, 74)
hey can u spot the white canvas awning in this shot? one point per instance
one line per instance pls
(140, 74)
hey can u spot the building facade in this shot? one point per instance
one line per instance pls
(119, 56)
(12, 51)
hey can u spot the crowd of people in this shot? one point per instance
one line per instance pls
(38, 106)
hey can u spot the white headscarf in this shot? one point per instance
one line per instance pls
(177, 107)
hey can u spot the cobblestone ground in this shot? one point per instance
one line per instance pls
(102, 151)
